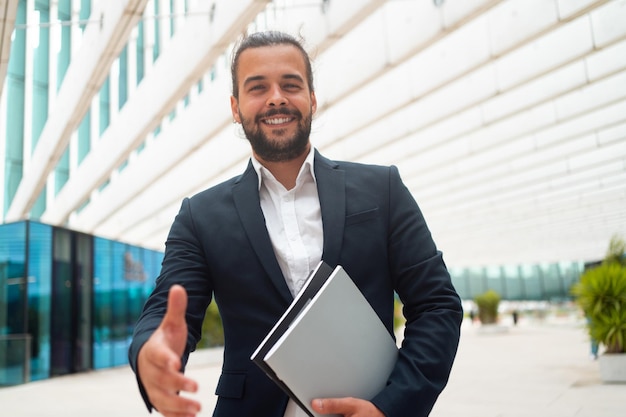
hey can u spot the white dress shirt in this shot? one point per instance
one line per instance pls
(294, 221)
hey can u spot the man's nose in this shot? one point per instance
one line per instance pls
(276, 97)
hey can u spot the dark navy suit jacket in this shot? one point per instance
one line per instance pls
(218, 247)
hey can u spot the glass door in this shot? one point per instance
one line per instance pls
(71, 303)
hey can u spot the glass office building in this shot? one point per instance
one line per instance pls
(523, 282)
(506, 120)
(68, 300)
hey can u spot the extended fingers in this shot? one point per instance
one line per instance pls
(348, 407)
(169, 380)
(158, 368)
(164, 394)
(334, 405)
(173, 405)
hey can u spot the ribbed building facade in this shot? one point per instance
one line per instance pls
(506, 119)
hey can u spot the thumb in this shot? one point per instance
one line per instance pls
(174, 324)
(176, 306)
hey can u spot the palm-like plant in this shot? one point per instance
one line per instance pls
(601, 293)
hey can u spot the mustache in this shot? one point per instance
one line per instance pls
(280, 111)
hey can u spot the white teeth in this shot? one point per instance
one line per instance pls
(277, 121)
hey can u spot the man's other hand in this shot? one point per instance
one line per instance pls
(347, 407)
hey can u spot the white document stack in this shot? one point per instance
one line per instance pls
(329, 343)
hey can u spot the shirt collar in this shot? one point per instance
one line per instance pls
(307, 167)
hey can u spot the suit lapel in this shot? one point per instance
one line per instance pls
(331, 187)
(248, 206)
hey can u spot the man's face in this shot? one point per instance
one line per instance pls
(275, 105)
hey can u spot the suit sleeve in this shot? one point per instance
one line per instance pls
(183, 263)
(431, 306)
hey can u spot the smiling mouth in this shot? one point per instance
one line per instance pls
(278, 120)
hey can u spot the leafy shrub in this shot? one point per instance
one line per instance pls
(601, 293)
(488, 303)
(212, 330)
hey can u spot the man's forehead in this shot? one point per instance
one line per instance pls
(271, 57)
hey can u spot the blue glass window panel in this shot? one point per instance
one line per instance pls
(495, 281)
(12, 277)
(476, 279)
(156, 48)
(123, 78)
(513, 282)
(102, 308)
(570, 273)
(105, 106)
(119, 301)
(83, 267)
(41, 62)
(552, 282)
(15, 112)
(39, 297)
(135, 276)
(12, 303)
(140, 52)
(172, 18)
(63, 56)
(85, 12)
(62, 304)
(533, 283)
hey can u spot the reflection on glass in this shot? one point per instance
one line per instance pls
(68, 301)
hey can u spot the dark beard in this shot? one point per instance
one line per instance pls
(277, 150)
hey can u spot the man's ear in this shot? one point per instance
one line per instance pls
(313, 102)
(234, 108)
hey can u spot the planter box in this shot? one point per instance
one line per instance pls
(613, 367)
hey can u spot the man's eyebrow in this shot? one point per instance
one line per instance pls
(253, 79)
(262, 77)
(293, 77)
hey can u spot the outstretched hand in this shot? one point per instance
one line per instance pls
(347, 407)
(159, 361)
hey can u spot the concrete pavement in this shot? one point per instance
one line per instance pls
(534, 369)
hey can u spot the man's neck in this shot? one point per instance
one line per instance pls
(285, 172)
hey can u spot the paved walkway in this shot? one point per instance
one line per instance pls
(530, 370)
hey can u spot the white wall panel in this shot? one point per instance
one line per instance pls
(606, 61)
(506, 118)
(513, 22)
(608, 23)
(568, 8)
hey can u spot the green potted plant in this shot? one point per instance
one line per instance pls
(487, 304)
(212, 330)
(601, 294)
